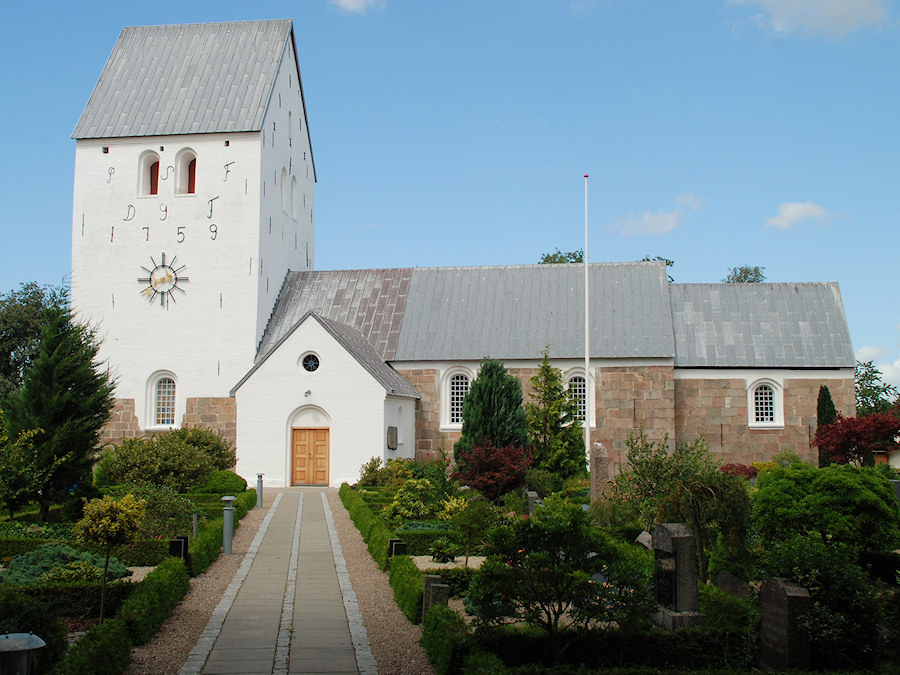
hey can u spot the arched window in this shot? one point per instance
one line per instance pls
(459, 387)
(164, 402)
(186, 173)
(148, 174)
(285, 191)
(765, 405)
(294, 206)
(578, 393)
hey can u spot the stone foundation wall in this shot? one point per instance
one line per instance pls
(428, 412)
(717, 408)
(123, 423)
(218, 413)
(629, 397)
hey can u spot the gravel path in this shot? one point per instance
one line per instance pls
(394, 641)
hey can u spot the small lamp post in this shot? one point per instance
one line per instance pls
(259, 490)
(16, 652)
(228, 523)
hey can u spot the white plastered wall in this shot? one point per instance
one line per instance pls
(341, 394)
(206, 337)
(401, 413)
(285, 234)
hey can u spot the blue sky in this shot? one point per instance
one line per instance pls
(716, 134)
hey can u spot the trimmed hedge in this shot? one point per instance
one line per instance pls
(153, 600)
(421, 542)
(408, 583)
(78, 598)
(373, 530)
(104, 650)
(457, 578)
(445, 639)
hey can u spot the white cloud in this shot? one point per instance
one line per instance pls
(890, 372)
(357, 6)
(660, 222)
(791, 213)
(695, 203)
(869, 353)
(649, 223)
(832, 18)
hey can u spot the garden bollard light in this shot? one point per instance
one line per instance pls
(16, 652)
(228, 523)
(259, 490)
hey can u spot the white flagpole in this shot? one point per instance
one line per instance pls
(588, 389)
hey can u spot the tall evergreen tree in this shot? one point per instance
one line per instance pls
(492, 410)
(554, 432)
(826, 413)
(68, 398)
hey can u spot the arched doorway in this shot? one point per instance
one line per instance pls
(309, 447)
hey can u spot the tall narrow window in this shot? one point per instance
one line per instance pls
(154, 178)
(186, 172)
(459, 387)
(578, 393)
(192, 176)
(164, 403)
(764, 404)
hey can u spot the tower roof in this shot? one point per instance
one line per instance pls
(187, 79)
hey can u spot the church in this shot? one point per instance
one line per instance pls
(193, 258)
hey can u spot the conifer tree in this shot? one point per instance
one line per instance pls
(492, 410)
(826, 413)
(554, 432)
(68, 399)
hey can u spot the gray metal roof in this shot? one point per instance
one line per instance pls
(760, 326)
(357, 346)
(187, 79)
(467, 313)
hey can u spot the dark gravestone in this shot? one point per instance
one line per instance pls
(675, 577)
(600, 471)
(434, 593)
(178, 547)
(783, 644)
(396, 547)
(733, 585)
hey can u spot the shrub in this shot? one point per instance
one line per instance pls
(167, 513)
(204, 548)
(409, 585)
(735, 622)
(740, 470)
(544, 573)
(28, 568)
(20, 613)
(853, 505)
(222, 482)
(412, 502)
(445, 639)
(842, 624)
(457, 578)
(542, 481)
(154, 599)
(153, 461)
(104, 650)
(80, 599)
(492, 470)
(218, 449)
(368, 473)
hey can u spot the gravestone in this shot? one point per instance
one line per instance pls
(532, 501)
(434, 593)
(733, 585)
(600, 471)
(783, 644)
(675, 577)
(396, 547)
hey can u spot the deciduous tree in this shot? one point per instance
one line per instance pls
(745, 274)
(558, 256)
(854, 440)
(491, 470)
(873, 395)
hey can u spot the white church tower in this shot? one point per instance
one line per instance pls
(194, 192)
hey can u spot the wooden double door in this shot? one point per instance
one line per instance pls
(309, 456)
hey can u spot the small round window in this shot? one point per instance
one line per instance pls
(310, 363)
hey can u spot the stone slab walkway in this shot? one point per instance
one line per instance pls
(290, 607)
